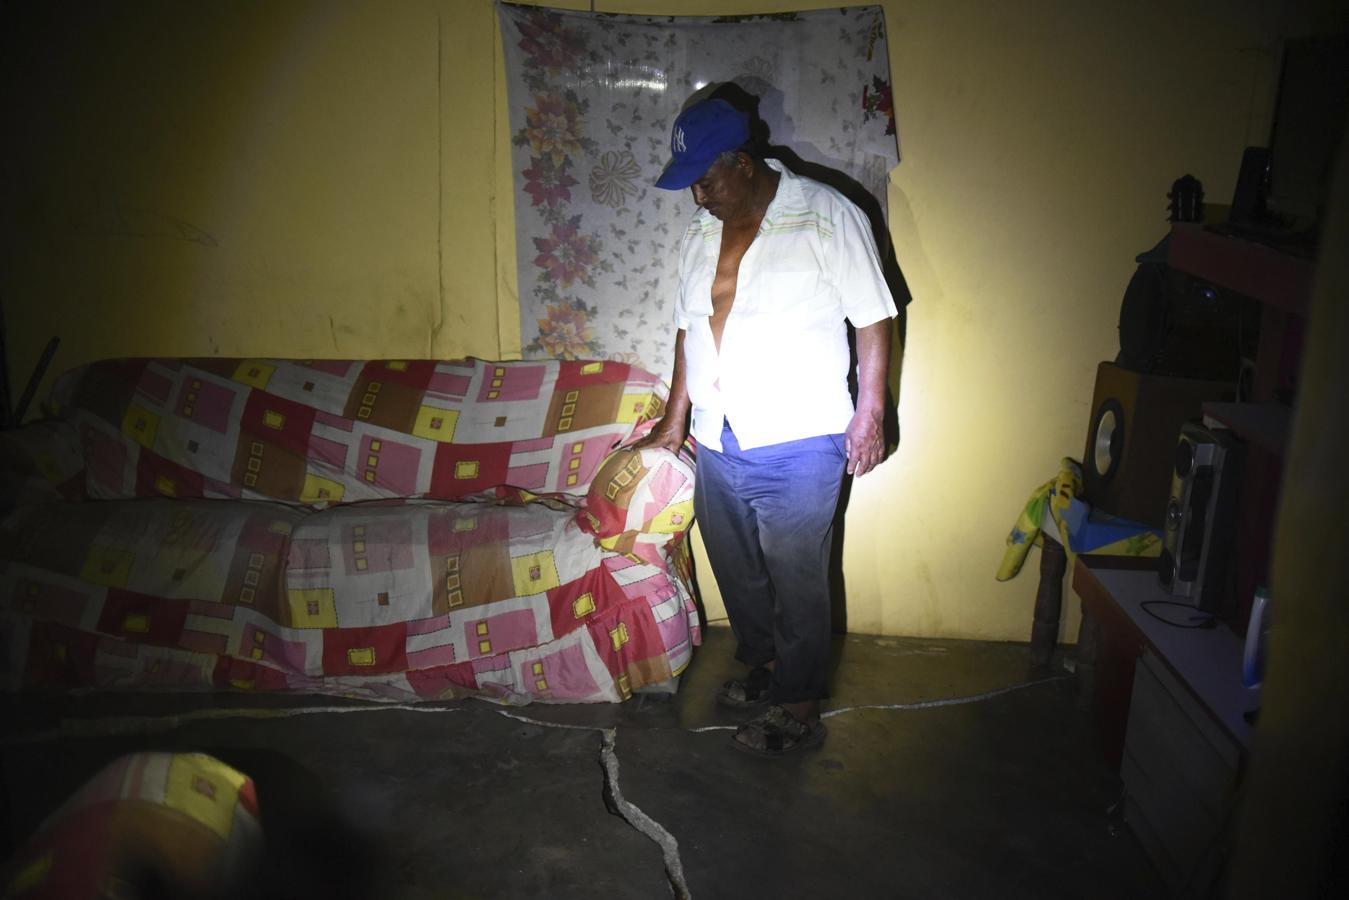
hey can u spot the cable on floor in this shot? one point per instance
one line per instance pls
(920, 704)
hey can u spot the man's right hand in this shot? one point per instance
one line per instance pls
(664, 435)
(670, 431)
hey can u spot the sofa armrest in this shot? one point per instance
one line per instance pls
(41, 462)
(640, 497)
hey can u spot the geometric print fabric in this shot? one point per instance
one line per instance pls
(184, 819)
(351, 600)
(327, 432)
(402, 596)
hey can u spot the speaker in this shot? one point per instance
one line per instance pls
(1171, 323)
(1200, 515)
(1131, 438)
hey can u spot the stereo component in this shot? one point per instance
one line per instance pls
(1131, 438)
(1200, 515)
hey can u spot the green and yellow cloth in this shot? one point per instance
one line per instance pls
(1081, 530)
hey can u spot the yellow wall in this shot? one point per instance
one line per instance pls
(317, 179)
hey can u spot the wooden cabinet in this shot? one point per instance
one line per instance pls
(1179, 771)
(1172, 713)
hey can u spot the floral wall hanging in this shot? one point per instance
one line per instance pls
(592, 97)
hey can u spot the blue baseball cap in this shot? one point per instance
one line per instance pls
(702, 132)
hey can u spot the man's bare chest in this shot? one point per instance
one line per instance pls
(735, 243)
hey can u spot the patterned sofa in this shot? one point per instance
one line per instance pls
(392, 530)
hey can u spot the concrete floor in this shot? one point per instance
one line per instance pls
(1003, 797)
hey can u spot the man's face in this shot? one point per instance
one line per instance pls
(724, 190)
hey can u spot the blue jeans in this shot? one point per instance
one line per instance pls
(767, 519)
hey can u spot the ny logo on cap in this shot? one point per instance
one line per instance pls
(677, 141)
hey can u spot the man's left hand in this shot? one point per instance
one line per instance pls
(864, 442)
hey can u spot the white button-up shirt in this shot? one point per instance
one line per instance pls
(782, 373)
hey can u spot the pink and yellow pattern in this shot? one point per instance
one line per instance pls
(391, 530)
(184, 821)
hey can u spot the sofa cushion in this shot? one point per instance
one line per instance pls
(639, 500)
(331, 431)
(40, 462)
(505, 599)
(196, 551)
(385, 600)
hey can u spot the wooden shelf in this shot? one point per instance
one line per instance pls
(1265, 425)
(1275, 278)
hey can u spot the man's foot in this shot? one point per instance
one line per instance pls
(778, 732)
(755, 689)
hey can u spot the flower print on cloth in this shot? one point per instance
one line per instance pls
(553, 126)
(612, 181)
(592, 98)
(565, 333)
(546, 183)
(566, 256)
(877, 101)
(548, 43)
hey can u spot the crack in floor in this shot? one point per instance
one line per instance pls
(620, 806)
(613, 797)
(634, 816)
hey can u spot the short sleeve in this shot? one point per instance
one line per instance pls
(855, 268)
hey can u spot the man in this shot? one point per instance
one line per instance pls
(769, 269)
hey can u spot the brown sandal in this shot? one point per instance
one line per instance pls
(755, 689)
(777, 732)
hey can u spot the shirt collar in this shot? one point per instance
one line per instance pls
(787, 197)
